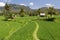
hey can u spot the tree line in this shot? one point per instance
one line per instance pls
(50, 12)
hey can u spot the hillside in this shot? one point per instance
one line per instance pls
(16, 7)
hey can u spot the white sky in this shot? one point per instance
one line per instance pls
(2, 4)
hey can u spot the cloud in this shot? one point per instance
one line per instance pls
(23, 4)
(49, 5)
(2, 4)
(31, 3)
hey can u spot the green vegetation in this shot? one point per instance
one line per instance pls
(22, 12)
(24, 33)
(49, 30)
(23, 28)
(7, 12)
(28, 25)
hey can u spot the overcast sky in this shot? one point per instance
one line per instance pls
(35, 3)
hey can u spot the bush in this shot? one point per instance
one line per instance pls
(50, 19)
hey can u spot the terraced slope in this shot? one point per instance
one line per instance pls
(24, 33)
(49, 30)
(8, 28)
(27, 28)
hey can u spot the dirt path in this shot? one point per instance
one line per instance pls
(35, 32)
(12, 32)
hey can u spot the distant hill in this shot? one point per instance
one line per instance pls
(1, 8)
(16, 7)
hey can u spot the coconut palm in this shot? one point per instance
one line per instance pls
(51, 12)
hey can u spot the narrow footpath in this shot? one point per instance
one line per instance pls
(35, 32)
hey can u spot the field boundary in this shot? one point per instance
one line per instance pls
(35, 32)
(12, 32)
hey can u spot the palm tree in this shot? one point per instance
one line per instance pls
(51, 12)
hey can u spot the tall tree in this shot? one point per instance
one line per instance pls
(51, 13)
(39, 11)
(7, 13)
(22, 12)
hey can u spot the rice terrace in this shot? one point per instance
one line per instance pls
(26, 22)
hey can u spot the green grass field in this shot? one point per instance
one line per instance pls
(22, 28)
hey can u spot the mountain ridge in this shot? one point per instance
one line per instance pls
(27, 8)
